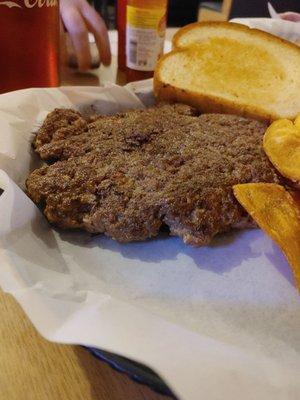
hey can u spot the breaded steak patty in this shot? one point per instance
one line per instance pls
(129, 174)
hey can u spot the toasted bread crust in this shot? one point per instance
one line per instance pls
(205, 102)
(232, 26)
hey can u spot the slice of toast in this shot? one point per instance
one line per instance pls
(229, 68)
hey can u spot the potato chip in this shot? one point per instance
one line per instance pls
(277, 212)
(282, 146)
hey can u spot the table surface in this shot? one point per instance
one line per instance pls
(35, 369)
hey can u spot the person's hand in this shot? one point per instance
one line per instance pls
(290, 16)
(79, 18)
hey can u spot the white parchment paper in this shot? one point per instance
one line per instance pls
(219, 322)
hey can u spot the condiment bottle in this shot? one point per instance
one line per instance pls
(144, 36)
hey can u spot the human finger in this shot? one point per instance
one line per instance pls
(97, 26)
(78, 32)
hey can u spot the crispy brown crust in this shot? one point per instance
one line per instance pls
(128, 175)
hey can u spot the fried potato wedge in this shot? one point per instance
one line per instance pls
(277, 212)
(282, 146)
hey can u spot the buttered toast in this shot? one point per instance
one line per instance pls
(225, 67)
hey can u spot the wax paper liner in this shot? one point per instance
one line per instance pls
(287, 30)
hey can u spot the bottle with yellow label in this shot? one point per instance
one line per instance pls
(145, 35)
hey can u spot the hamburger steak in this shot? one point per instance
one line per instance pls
(129, 174)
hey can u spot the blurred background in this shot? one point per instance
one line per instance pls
(182, 12)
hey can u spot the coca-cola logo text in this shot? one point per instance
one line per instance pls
(30, 3)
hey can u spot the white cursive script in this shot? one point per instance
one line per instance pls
(9, 4)
(30, 3)
(40, 3)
